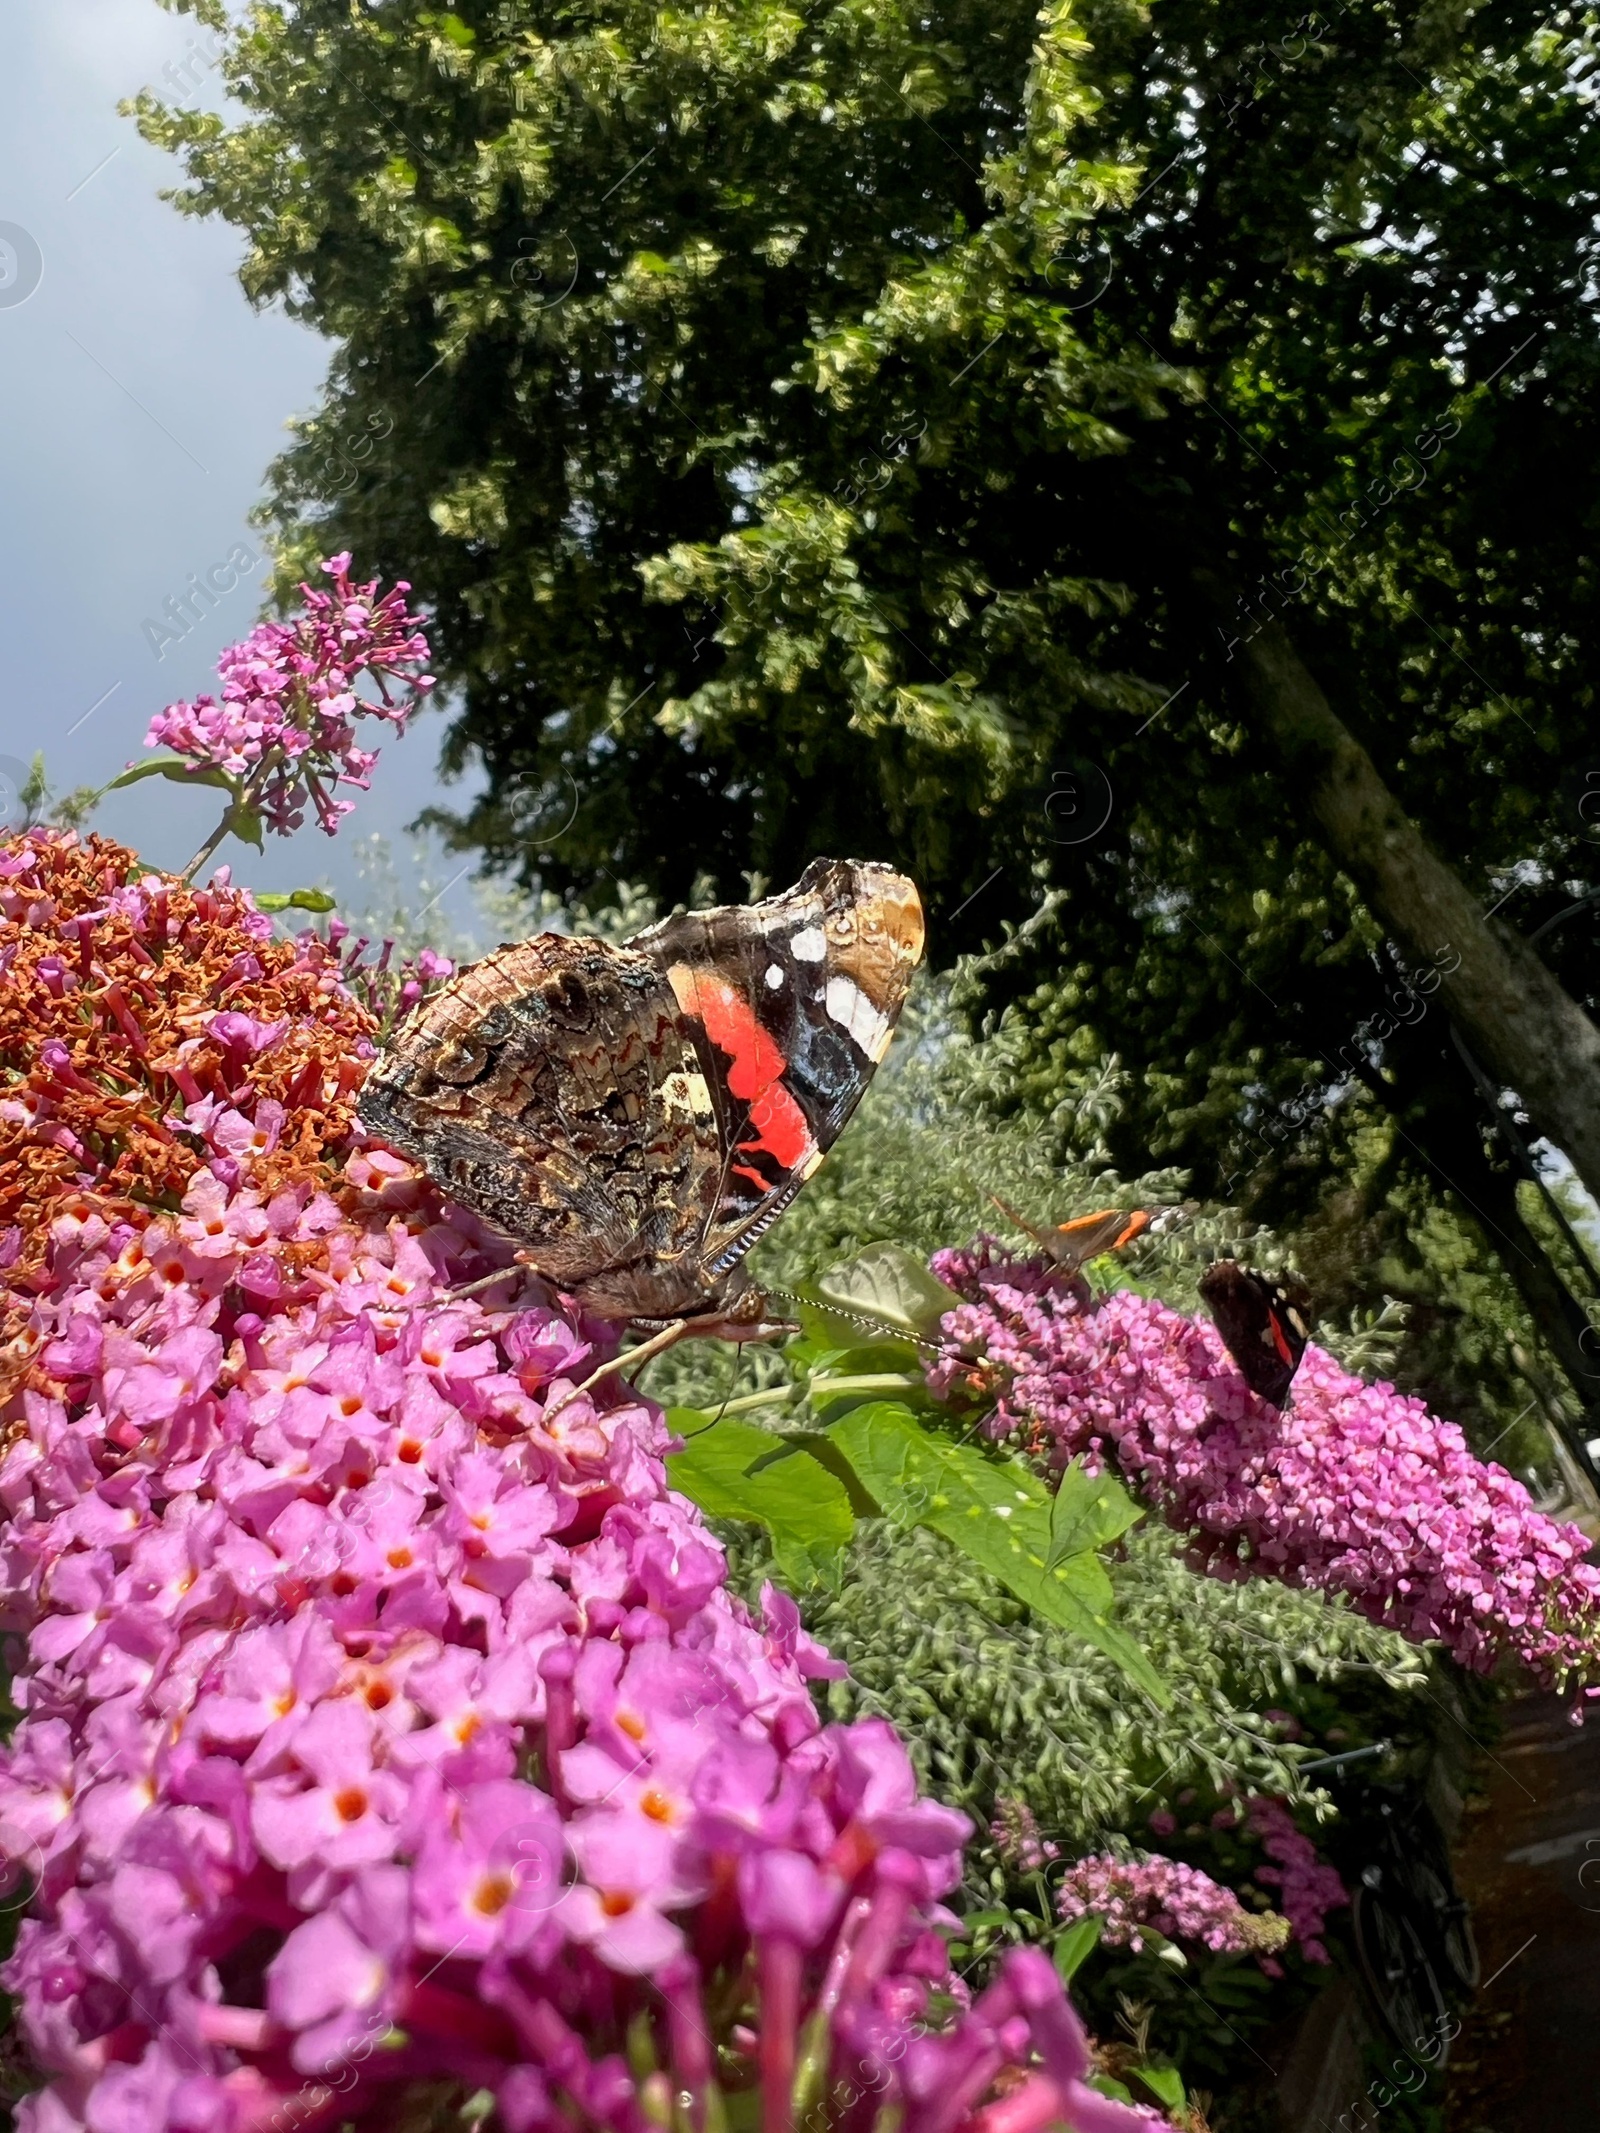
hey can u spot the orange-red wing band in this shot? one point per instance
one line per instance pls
(776, 1125)
(1082, 1227)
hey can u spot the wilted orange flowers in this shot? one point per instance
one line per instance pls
(127, 998)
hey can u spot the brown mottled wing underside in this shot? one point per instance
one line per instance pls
(551, 1089)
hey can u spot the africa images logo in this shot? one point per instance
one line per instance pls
(21, 265)
(204, 590)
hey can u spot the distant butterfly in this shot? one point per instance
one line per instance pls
(1265, 1324)
(1073, 1244)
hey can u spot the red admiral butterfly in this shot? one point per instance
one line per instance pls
(1073, 1244)
(637, 1117)
(1264, 1324)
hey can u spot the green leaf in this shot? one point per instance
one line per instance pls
(994, 1511)
(1165, 2083)
(859, 1356)
(1090, 1511)
(178, 768)
(1107, 2086)
(734, 1470)
(1075, 1945)
(35, 788)
(294, 900)
(887, 1283)
(245, 824)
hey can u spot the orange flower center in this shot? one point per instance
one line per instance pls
(492, 1894)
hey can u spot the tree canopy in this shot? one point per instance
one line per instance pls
(929, 431)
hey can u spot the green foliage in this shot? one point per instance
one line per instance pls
(734, 1471)
(998, 1514)
(992, 1699)
(804, 1488)
(891, 1285)
(1073, 1946)
(1088, 1511)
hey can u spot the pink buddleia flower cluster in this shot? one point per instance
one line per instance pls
(1145, 1894)
(387, 985)
(1353, 1489)
(1014, 1833)
(391, 1743)
(285, 724)
(1308, 1888)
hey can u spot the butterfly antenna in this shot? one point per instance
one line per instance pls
(864, 1320)
(726, 1397)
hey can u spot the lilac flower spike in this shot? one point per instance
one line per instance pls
(1353, 1489)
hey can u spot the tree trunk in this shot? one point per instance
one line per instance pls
(1435, 1105)
(1519, 1020)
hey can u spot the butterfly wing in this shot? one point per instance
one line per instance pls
(1264, 1324)
(790, 1005)
(1073, 1244)
(1109, 1230)
(551, 1089)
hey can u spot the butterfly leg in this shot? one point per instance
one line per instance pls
(518, 1266)
(634, 1358)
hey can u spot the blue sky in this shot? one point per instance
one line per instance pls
(144, 400)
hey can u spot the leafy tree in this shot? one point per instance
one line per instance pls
(908, 430)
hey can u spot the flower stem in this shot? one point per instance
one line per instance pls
(235, 810)
(772, 1396)
(877, 1381)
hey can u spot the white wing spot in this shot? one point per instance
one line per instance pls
(849, 1006)
(809, 945)
(774, 976)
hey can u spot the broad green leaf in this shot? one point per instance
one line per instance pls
(861, 1355)
(1089, 1511)
(878, 1370)
(817, 1347)
(294, 900)
(1075, 1945)
(887, 1283)
(176, 767)
(1165, 2083)
(997, 1513)
(832, 1376)
(734, 1470)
